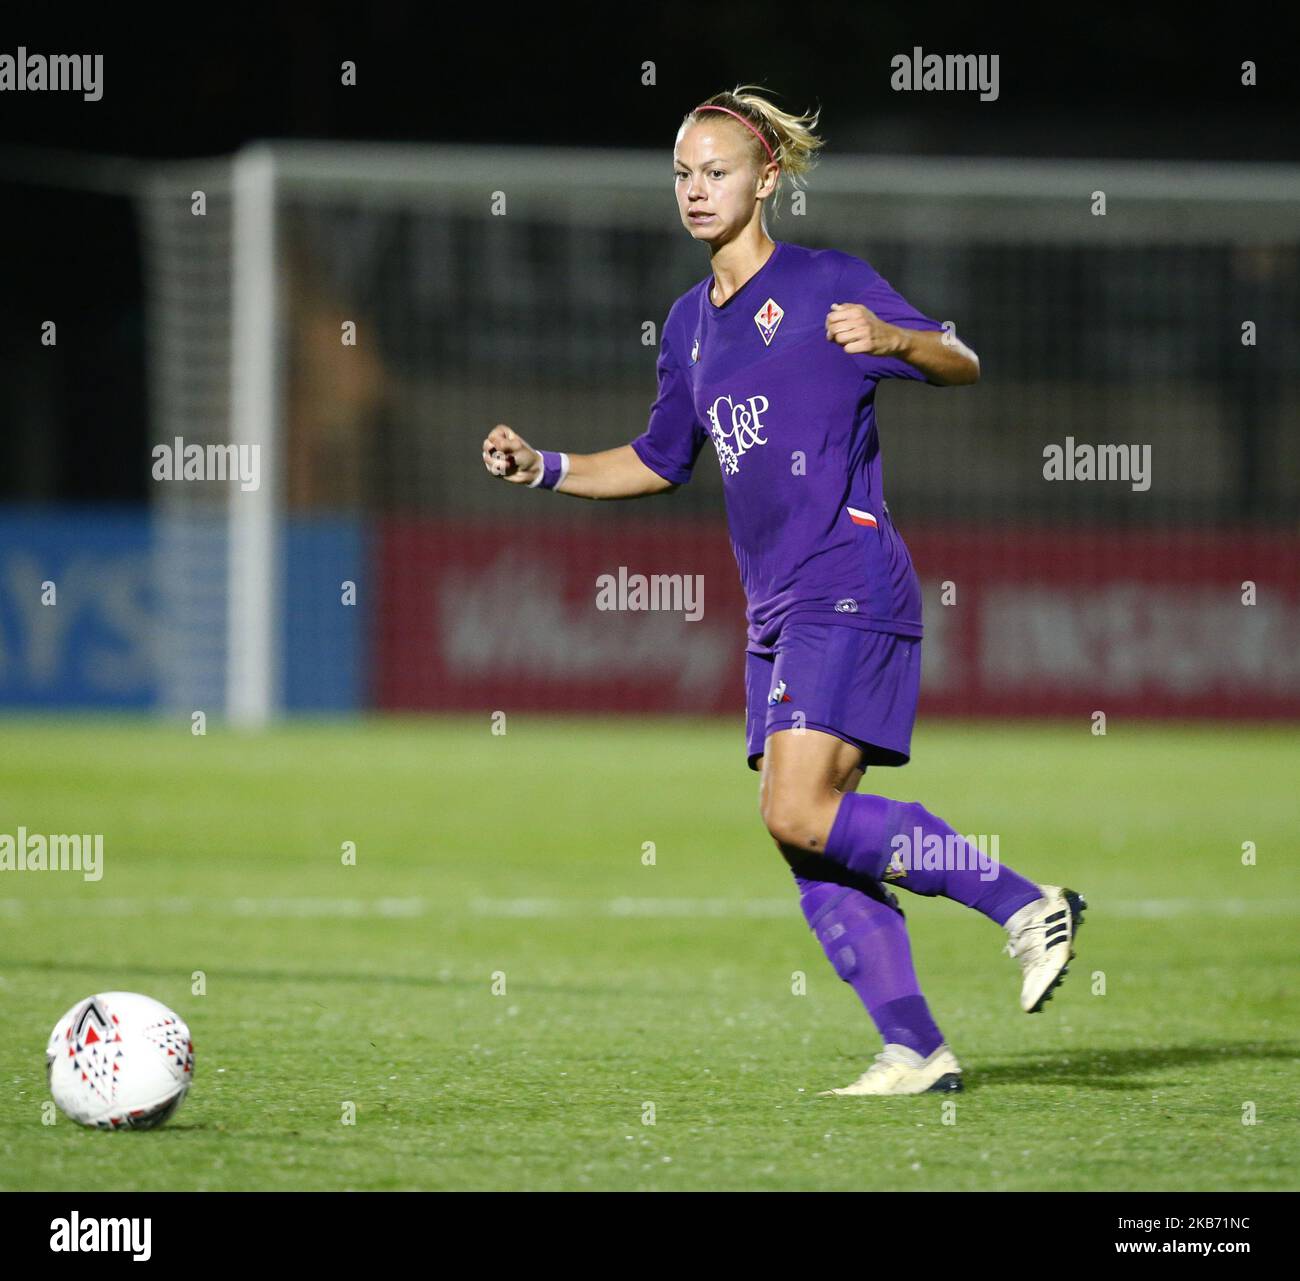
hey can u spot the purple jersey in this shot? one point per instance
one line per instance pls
(792, 417)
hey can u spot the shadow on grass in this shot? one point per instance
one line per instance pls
(1114, 1068)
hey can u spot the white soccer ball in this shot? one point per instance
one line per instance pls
(120, 1061)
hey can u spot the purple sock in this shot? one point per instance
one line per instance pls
(929, 857)
(866, 941)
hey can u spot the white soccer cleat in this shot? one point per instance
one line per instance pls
(900, 1070)
(1042, 940)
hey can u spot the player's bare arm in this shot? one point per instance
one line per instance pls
(942, 357)
(611, 473)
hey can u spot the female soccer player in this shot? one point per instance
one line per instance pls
(775, 357)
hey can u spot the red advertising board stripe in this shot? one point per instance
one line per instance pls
(640, 615)
(464, 603)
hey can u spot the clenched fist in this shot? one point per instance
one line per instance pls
(861, 332)
(506, 454)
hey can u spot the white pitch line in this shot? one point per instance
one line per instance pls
(1146, 909)
(1165, 908)
(308, 908)
(628, 906)
(91, 905)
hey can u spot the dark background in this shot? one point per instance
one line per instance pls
(193, 82)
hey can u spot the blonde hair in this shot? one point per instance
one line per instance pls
(794, 145)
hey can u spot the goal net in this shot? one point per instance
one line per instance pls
(364, 315)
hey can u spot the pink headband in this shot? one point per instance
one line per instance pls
(743, 121)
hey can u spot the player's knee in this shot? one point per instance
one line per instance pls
(789, 820)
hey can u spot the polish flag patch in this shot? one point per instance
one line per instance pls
(862, 518)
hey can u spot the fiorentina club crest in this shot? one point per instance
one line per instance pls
(767, 317)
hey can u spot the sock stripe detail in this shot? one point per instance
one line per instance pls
(828, 906)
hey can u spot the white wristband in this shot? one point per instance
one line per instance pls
(555, 465)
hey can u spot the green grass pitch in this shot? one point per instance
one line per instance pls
(631, 985)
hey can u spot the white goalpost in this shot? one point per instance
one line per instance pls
(253, 567)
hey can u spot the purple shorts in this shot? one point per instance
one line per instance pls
(860, 686)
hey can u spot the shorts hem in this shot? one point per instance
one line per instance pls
(872, 753)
